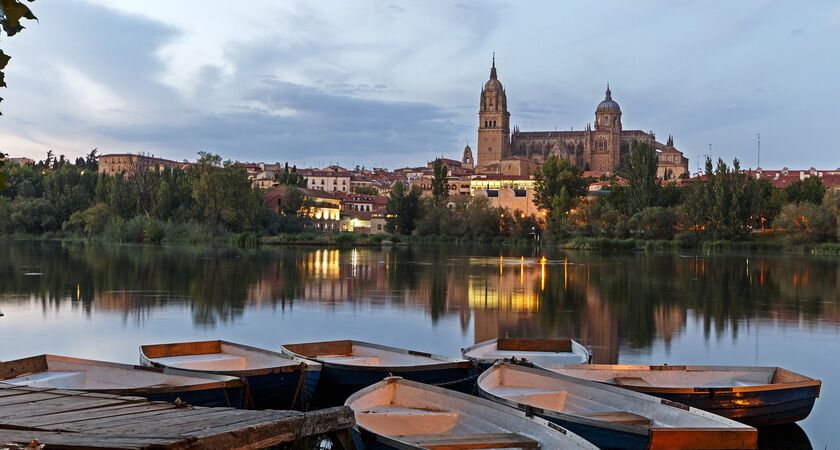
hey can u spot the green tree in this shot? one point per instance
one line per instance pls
(33, 215)
(810, 190)
(810, 221)
(2, 173)
(403, 208)
(558, 185)
(290, 177)
(440, 185)
(224, 195)
(641, 175)
(365, 190)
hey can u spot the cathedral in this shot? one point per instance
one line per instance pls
(598, 149)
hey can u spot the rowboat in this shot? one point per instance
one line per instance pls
(62, 372)
(608, 416)
(352, 365)
(536, 351)
(757, 396)
(274, 380)
(396, 413)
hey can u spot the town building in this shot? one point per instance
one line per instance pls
(129, 163)
(323, 208)
(330, 179)
(601, 148)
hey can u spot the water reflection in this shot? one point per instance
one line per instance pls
(739, 309)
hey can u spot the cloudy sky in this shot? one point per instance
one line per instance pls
(397, 83)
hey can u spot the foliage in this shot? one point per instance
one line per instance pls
(810, 190)
(290, 177)
(641, 174)
(807, 220)
(440, 187)
(223, 193)
(654, 222)
(403, 208)
(365, 190)
(558, 177)
(2, 174)
(11, 13)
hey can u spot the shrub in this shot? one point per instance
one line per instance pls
(811, 222)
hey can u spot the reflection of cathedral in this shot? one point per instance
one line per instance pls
(599, 149)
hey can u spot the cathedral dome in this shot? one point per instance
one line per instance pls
(493, 84)
(608, 105)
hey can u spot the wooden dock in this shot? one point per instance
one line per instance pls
(62, 419)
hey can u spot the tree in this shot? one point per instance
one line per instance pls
(2, 174)
(810, 221)
(440, 186)
(556, 177)
(403, 208)
(641, 175)
(224, 195)
(11, 13)
(290, 177)
(810, 190)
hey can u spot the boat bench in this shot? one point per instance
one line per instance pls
(619, 417)
(473, 441)
(354, 360)
(631, 381)
(394, 420)
(206, 361)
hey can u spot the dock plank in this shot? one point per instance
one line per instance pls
(70, 420)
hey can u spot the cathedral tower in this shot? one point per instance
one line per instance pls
(493, 121)
(605, 148)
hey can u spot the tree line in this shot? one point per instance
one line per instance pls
(726, 203)
(57, 197)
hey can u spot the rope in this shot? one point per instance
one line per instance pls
(300, 386)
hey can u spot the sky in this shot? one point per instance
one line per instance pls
(391, 84)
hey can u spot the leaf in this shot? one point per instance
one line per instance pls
(2, 79)
(13, 11)
(4, 59)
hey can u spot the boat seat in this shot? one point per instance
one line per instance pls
(51, 379)
(205, 361)
(631, 381)
(354, 360)
(620, 417)
(396, 420)
(473, 441)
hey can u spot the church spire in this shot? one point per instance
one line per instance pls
(609, 93)
(493, 68)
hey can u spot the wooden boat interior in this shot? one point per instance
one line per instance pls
(557, 351)
(437, 419)
(216, 356)
(681, 376)
(356, 353)
(565, 395)
(59, 372)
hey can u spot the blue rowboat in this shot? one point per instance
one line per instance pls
(352, 365)
(401, 414)
(611, 417)
(274, 380)
(535, 351)
(757, 396)
(61, 372)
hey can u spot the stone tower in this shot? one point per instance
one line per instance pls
(605, 148)
(493, 121)
(467, 161)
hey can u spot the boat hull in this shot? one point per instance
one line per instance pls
(283, 390)
(232, 397)
(338, 383)
(754, 408)
(602, 437)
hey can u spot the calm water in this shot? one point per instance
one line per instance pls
(103, 301)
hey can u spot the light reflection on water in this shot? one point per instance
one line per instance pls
(103, 301)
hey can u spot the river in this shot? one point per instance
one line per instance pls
(103, 301)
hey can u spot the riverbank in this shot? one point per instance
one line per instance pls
(200, 236)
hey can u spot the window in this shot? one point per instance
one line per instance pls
(492, 193)
(519, 193)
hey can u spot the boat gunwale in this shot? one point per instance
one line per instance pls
(732, 425)
(490, 361)
(445, 361)
(211, 381)
(311, 366)
(698, 390)
(483, 402)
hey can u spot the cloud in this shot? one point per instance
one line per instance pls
(797, 32)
